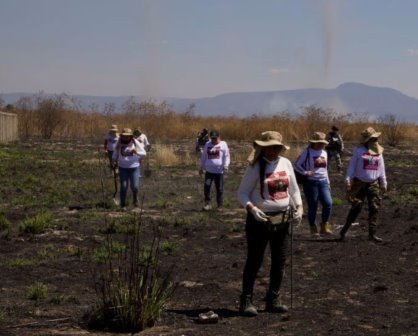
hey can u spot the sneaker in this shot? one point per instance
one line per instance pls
(314, 230)
(207, 207)
(246, 307)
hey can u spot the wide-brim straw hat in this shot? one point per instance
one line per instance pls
(368, 134)
(127, 132)
(267, 138)
(318, 137)
(113, 128)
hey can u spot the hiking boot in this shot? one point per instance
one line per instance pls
(135, 199)
(273, 304)
(343, 231)
(246, 307)
(314, 231)
(325, 229)
(373, 237)
(207, 206)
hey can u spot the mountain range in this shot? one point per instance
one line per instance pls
(356, 98)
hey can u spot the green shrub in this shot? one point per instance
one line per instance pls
(37, 224)
(130, 288)
(168, 246)
(37, 291)
(4, 222)
(337, 201)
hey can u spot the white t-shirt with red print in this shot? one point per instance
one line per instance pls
(215, 157)
(366, 167)
(280, 187)
(317, 163)
(128, 155)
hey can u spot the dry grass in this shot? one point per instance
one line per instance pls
(163, 125)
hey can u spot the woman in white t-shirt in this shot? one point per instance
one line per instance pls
(127, 155)
(312, 163)
(269, 192)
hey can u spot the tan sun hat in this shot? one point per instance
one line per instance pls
(127, 132)
(267, 138)
(270, 138)
(113, 128)
(318, 137)
(368, 134)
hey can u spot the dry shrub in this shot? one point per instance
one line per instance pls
(164, 155)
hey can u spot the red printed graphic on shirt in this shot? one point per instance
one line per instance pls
(127, 150)
(213, 152)
(370, 162)
(319, 162)
(277, 183)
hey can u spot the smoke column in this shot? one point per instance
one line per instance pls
(329, 13)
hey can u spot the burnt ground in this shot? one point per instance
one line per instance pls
(351, 288)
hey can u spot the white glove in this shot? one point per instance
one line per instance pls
(259, 215)
(298, 213)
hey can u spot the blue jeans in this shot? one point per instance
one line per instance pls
(219, 185)
(318, 191)
(131, 176)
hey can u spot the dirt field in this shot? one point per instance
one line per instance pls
(351, 288)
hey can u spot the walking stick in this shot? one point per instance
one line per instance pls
(291, 260)
(115, 180)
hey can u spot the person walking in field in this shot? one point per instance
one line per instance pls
(126, 156)
(269, 192)
(201, 139)
(142, 138)
(335, 147)
(110, 141)
(366, 179)
(312, 163)
(214, 162)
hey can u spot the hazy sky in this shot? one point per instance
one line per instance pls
(198, 48)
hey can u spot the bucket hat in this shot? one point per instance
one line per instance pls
(368, 134)
(127, 132)
(318, 137)
(113, 128)
(267, 138)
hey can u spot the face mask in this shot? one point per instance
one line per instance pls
(270, 161)
(375, 148)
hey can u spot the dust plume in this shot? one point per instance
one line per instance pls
(329, 18)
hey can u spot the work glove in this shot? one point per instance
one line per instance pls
(200, 172)
(225, 169)
(259, 215)
(298, 213)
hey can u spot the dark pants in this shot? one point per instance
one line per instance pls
(258, 236)
(219, 185)
(357, 195)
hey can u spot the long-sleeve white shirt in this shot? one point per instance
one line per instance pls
(280, 187)
(215, 157)
(128, 155)
(366, 167)
(317, 163)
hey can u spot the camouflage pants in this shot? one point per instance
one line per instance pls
(333, 154)
(356, 196)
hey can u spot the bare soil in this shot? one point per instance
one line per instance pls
(354, 287)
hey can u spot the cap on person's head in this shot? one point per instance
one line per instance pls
(127, 132)
(335, 128)
(214, 134)
(368, 134)
(318, 137)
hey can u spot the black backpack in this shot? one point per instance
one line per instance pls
(334, 142)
